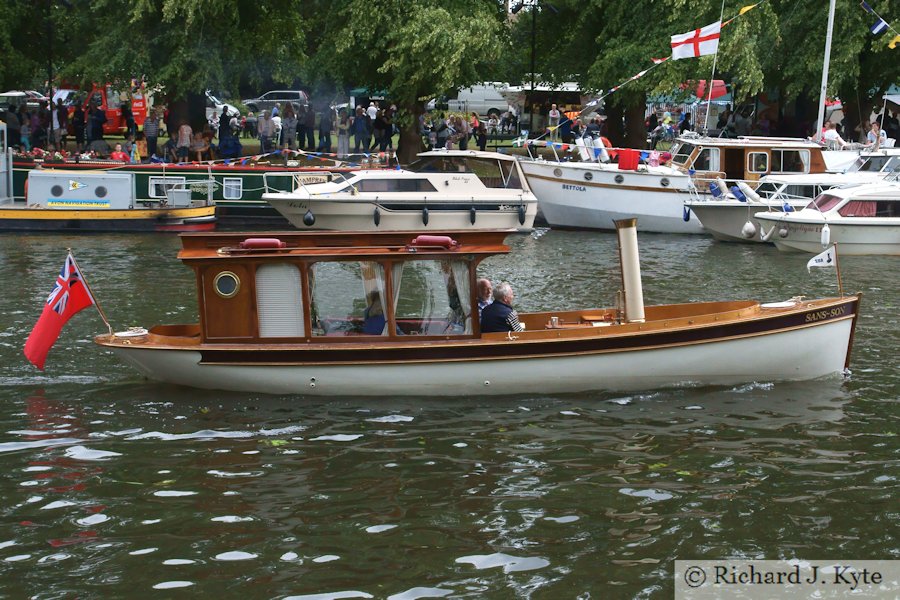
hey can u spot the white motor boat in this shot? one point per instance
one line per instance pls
(593, 195)
(730, 216)
(863, 219)
(442, 190)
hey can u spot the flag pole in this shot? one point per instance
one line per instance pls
(712, 78)
(93, 297)
(837, 267)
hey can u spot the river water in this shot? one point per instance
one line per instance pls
(118, 487)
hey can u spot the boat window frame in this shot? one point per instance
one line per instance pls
(226, 181)
(803, 155)
(824, 202)
(417, 182)
(751, 167)
(387, 264)
(153, 180)
(676, 152)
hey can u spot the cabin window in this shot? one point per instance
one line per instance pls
(394, 185)
(432, 297)
(682, 153)
(279, 301)
(232, 188)
(858, 208)
(758, 162)
(493, 173)
(790, 161)
(157, 186)
(347, 298)
(227, 284)
(707, 160)
(767, 189)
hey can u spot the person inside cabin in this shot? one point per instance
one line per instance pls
(373, 316)
(185, 133)
(170, 149)
(499, 316)
(485, 294)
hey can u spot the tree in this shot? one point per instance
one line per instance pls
(188, 47)
(412, 50)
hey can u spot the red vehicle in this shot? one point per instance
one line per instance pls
(110, 101)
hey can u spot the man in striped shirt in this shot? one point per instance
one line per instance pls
(500, 315)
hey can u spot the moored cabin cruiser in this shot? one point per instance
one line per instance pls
(729, 215)
(863, 219)
(396, 313)
(443, 189)
(593, 195)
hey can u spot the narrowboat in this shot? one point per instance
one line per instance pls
(396, 314)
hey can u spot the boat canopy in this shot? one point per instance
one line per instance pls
(337, 285)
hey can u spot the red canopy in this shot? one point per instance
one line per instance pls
(701, 91)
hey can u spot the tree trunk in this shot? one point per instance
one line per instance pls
(635, 130)
(410, 143)
(615, 132)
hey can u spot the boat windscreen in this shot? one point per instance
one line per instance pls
(682, 153)
(492, 172)
(767, 189)
(870, 164)
(824, 202)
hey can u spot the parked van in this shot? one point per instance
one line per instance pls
(483, 98)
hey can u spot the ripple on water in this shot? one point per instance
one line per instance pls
(235, 555)
(340, 437)
(326, 558)
(84, 453)
(331, 596)
(391, 419)
(379, 528)
(650, 493)
(171, 585)
(509, 563)
(420, 592)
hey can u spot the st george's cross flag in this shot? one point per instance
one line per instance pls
(825, 259)
(698, 42)
(69, 296)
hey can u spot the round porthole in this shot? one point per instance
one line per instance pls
(227, 284)
(557, 172)
(664, 182)
(588, 176)
(56, 190)
(619, 179)
(100, 191)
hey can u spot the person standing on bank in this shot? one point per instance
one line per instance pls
(499, 316)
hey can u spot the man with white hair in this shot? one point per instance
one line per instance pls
(499, 316)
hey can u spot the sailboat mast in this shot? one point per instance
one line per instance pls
(821, 120)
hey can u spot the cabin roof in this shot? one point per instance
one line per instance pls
(342, 245)
(750, 142)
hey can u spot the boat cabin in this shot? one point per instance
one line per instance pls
(745, 158)
(880, 200)
(336, 286)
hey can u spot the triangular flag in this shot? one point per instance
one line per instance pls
(75, 185)
(879, 27)
(893, 43)
(825, 259)
(866, 7)
(748, 8)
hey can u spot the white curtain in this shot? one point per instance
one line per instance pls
(373, 281)
(396, 277)
(461, 276)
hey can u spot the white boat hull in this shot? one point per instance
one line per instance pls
(794, 354)
(358, 214)
(569, 200)
(857, 238)
(725, 219)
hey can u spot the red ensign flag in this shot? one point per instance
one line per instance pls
(69, 296)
